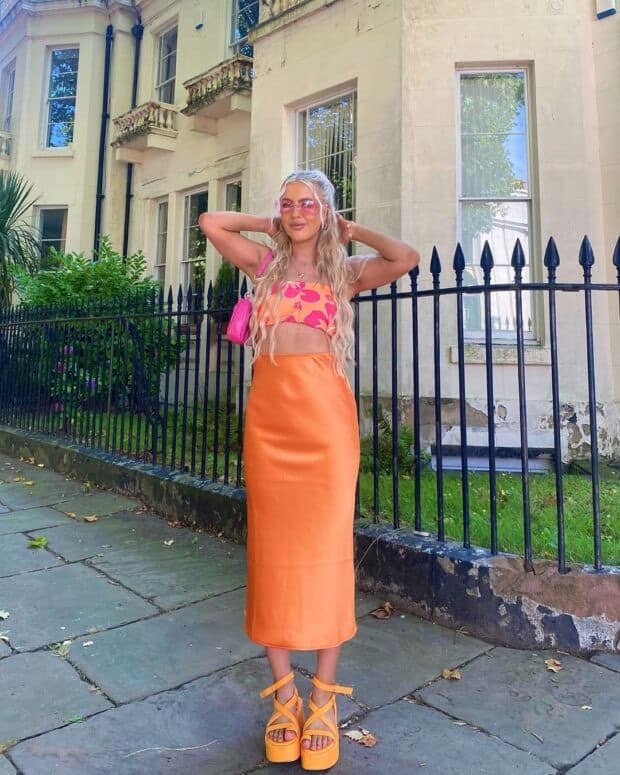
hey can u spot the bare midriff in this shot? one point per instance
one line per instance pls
(298, 338)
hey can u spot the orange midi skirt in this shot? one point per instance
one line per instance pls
(301, 449)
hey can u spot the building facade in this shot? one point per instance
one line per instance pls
(438, 120)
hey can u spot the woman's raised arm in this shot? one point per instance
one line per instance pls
(223, 230)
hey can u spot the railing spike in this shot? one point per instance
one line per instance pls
(586, 254)
(552, 258)
(486, 258)
(616, 255)
(435, 262)
(518, 257)
(244, 287)
(459, 261)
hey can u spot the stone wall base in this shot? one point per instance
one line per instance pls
(471, 590)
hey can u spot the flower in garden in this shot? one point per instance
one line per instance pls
(68, 349)
(58, 406)
(60, 367)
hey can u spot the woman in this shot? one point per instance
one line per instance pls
(301, 444)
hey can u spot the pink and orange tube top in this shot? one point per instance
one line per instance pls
(309, 303)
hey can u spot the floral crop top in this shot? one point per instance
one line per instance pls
(309, 303)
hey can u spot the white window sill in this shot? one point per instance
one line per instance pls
(503, 354)
(53, 152)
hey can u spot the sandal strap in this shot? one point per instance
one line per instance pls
(277, 684)
(333, 688)
(329, 729)
(286, 710)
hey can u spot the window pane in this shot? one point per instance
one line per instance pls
(233, 197)
(53, 227)
(195, 240)
(165, 93)
(63, 73)
(501, 224)
(59, 135)
(328, 144)
(493, 135)
(167, 56)
(244, 17)
(162, 237)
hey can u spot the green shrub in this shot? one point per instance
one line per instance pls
(103, 346)
(405, 449)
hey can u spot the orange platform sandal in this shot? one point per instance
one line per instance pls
(326, 757)
(293, 712)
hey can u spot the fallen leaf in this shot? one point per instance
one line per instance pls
(6, 744)
(451, 675)
(384, 611)
(586, 707)
(74, 720)
(71, 514)
(554, 665)
(40, 542)
(19, 478)
(61, 649)
(29, 483)
(4, 614)
(91, 518)
(40, 465)
(363, 737)
(87, 643)
(5, 638)
(169, 542)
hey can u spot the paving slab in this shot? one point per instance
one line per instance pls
(611, 661)
(16, 557)
(6, 768)
(52, 605)
(168, 650)
(20, 496)
(412, 738)
(26, 520)
(3, 509)
(390, 658)
(513, 695)
(41, 692)
(604, 761)
(98, 502)
(78, 540)
(219, 721)
(196, 566)
(5, 651)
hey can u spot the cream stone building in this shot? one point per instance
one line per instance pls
(439, 121)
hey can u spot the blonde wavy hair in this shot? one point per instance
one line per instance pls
(332, 268)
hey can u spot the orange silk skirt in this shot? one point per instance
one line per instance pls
(301, 448)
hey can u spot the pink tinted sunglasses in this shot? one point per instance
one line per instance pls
(306, 206)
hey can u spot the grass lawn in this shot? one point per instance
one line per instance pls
(578, 528)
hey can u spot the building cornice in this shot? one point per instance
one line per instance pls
(17, 8)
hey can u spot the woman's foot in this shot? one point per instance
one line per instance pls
(283, 695)
(317, 742)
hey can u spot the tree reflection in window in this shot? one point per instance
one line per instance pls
(61, 97)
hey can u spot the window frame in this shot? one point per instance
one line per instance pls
(161, 257)
(325, 99)
(159, 84)
(237, 44)
(39, 211)
(8, 78)
(502, 336)
(48, 100)
(186, 262)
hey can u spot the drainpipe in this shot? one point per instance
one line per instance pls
(137, 31)
(109, 37)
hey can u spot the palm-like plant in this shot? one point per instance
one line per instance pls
(19, 241)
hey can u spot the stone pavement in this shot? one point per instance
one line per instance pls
(122, 652)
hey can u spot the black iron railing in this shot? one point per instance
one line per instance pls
(153, 377)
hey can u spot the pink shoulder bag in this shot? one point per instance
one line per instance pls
(238, 329)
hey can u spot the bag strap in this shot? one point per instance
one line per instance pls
(264, 263)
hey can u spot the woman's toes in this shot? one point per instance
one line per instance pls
(289, 735)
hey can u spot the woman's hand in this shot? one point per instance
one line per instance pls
(345, 228)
